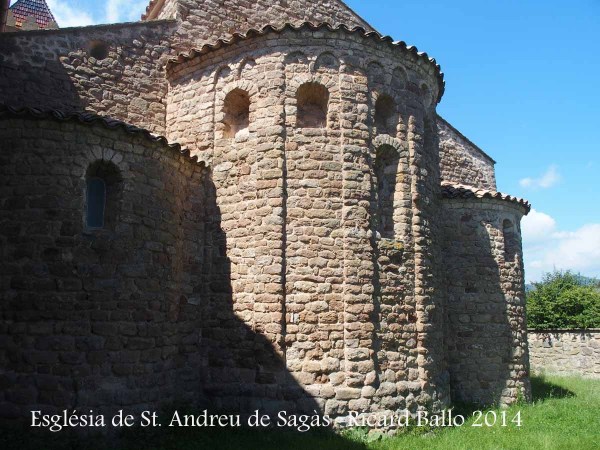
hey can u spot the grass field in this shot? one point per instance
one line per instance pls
(565, 414)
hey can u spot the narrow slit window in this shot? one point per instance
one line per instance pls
(511, 240)
(96, 202)
(103, 193)
(386, 173)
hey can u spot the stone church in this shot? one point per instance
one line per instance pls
(246, 205)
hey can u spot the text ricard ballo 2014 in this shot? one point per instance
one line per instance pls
(283, 419)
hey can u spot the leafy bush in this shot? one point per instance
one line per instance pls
(564, 300)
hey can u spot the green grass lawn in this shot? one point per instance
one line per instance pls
(565, 414)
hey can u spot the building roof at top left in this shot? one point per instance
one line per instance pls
(30, 15)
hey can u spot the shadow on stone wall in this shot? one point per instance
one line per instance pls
(242, 370)
(95, 329)
(480, 341)
(24, 85)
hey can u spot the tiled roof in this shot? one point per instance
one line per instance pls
(237, 37)
(37, 9)
(91, 119)
(459, 191)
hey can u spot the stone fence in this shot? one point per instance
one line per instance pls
(565, 352)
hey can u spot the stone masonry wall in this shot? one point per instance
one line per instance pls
(168, 10)
(54, 70)
(461, 161)
(205, 21)
(486, 328)
(97, 319)
(405, 72)
(309, 270)
(565, 352)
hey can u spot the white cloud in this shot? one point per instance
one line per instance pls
(68, 16)
(537, 226)
(547, 248)
(125, 10)
(550, 178)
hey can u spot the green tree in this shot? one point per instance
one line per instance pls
(563, 300)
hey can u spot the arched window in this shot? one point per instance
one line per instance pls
(511, 240)
(237, 113)
(312, 102)
(103, 190)
(386, 117)
(96, 202)
(386, 173)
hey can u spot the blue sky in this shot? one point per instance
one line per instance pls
(522, 83)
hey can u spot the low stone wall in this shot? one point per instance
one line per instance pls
(565, 352)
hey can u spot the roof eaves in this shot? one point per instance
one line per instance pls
(252, 32)
(87, 118)
(459, 191)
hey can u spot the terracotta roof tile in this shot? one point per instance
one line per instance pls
(460, 191)
(38, 9)
(237, 37)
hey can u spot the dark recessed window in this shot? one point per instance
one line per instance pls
(511, 241)
(102, 196)
(387, 161)
(237, 113)
(313, 102)
(96, 202)
(386, 117)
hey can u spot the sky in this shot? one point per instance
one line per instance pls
(521, 82)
